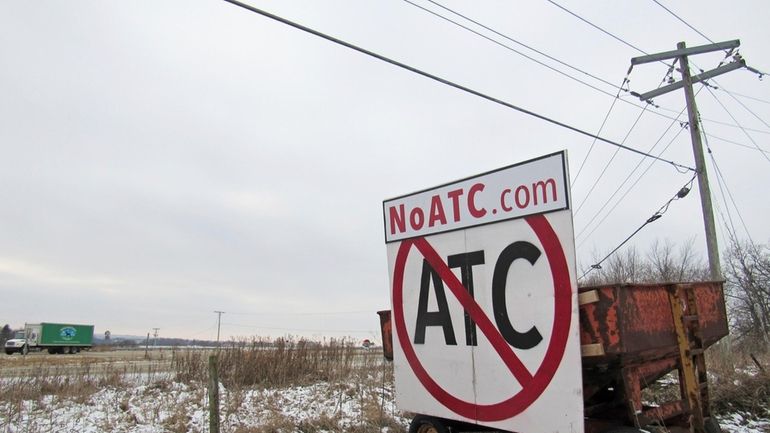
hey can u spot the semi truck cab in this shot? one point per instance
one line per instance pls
(17, 344)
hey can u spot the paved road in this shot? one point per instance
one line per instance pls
(91, 362)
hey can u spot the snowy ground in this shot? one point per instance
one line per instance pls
(744, 423)
(167, 406)
(158, 404)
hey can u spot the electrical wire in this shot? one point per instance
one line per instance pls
(720, 64)
(620, 88)
(617, 38)
(717, 86)
(740, 103)
(753, 98)
(606, 167)
(444, 81)
(743, 129)
(593, 142)
(620, 186)
(735, 143)
(721, 180)
(732, 232)
(621, 40)
(705, 135)
(622, 197)
(465, 17)
(656, 216)
(683, 21)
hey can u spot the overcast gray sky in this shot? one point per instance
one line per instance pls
(162, 160)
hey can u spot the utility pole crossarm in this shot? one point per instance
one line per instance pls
(695, 79)
(720, 46)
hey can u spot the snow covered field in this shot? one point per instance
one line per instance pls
(364, 404)
(158, 400)
(175, 407)
(163, 405)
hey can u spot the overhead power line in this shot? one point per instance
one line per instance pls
(735, 143)
(623, 183)
(628, 134)
(593, 142)
(738, 101)
(445, 81)
(753, 98)
(721, 181)
(623, 41)
(656, 216)
(502, 35)
(616, 97)
(683, 21)
(761, 151)
(622, 88)
(617, 38)
(607, 165)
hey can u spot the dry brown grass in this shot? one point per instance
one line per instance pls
(273, 363)
(736, 383)
(354, 389)
(739, 384)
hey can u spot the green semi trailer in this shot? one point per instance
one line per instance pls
(55, 337)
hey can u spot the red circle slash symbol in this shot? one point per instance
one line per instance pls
(532, 385)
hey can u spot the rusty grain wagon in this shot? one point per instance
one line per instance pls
(631, 336)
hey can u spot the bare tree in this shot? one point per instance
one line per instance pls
(624, 267)
(747, 271)
(666, 265)
(662, 263)
(5, 334)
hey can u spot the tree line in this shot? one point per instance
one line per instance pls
(745, 267)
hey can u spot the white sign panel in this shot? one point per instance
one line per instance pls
(484, 300)
(537, 186)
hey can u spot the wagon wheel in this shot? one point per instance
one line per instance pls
(427, 424)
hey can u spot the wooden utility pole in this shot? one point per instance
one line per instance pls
(219, 322)
(700, 164)
(681, 54)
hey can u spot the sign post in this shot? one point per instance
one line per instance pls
(484, 299)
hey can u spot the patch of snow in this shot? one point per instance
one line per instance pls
(166, 406)
(743, 423)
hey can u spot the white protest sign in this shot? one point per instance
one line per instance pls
(485, 300)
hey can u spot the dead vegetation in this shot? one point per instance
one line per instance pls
(274, 363)
(285, 385)
(290, 385)
(741, 383)
(737, 383)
